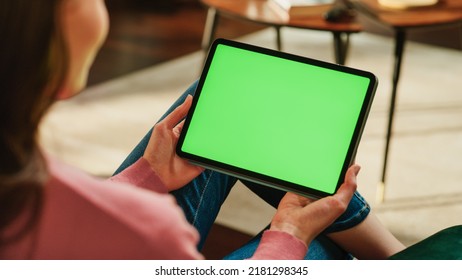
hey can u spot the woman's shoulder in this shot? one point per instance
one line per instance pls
(88, 217)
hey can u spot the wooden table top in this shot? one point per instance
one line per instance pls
(260, 11)
(445, 12)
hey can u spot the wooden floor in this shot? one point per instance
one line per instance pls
(147, 32)
(144, 33)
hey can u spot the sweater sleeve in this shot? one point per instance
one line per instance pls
(278, 245)
(85, 218)
(141, 174)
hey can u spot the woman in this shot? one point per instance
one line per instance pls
(49, 210)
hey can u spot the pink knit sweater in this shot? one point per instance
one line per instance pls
(129, 216)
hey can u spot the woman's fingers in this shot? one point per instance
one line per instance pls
(178, 114)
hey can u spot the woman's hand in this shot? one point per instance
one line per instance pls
(305, 218)
(173, 171)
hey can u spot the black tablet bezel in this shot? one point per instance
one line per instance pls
(263, 179)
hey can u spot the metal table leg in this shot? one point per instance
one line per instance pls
(210, 28)
(400, 39)
(341, 44)
(278, 38)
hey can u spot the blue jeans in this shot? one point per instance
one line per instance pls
(202, 198)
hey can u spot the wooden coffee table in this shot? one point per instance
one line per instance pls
(446, 13)
(260, 11)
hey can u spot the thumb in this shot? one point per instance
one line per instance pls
(178, 114)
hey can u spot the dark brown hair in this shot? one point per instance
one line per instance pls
(33, 64)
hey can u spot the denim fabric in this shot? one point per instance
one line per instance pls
(202, 198)
(322, 248)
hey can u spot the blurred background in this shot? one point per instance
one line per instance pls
(145, 34)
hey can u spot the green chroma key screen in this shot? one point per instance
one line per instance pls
(289, 122)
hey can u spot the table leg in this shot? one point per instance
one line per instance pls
(341, 44)
(400, 39)
(210, 28)
(278, 38)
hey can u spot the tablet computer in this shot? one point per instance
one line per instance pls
(278, 119)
